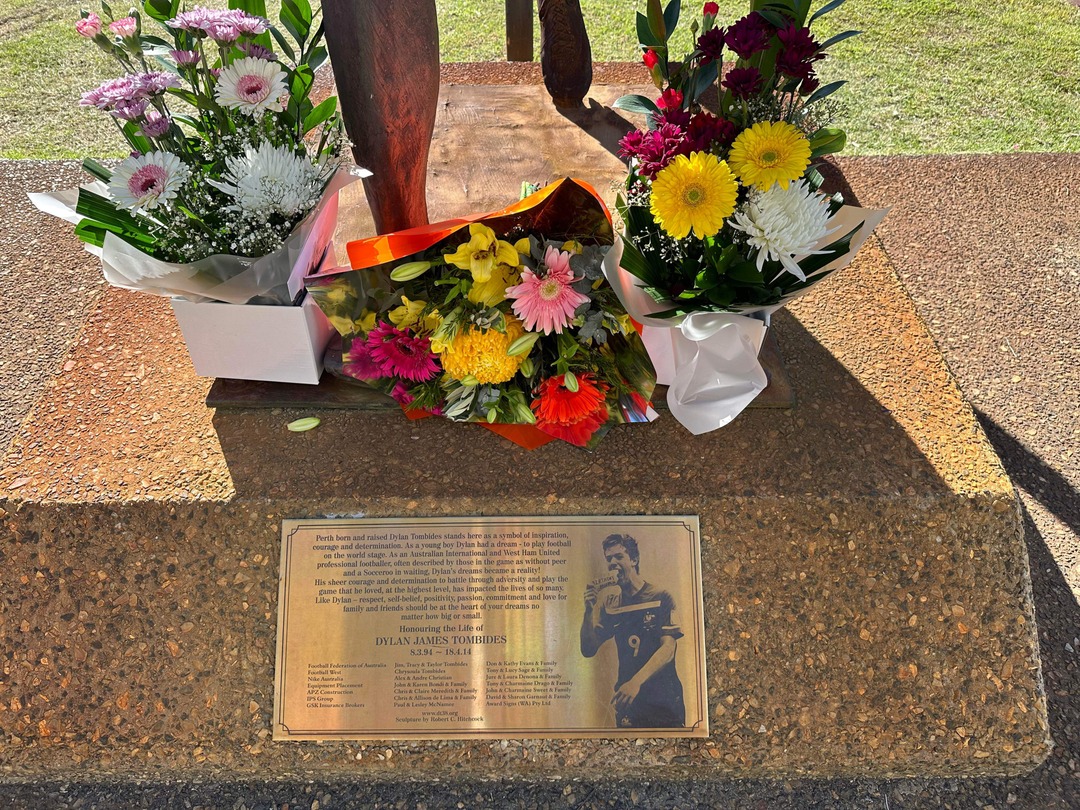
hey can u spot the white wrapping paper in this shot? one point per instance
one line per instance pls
(272, 279)
(709, 360)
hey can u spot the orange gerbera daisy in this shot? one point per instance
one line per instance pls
(573, 416)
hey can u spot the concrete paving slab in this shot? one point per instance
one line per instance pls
(867, 594)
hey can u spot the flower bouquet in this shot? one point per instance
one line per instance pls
(503, 319)
(230, 192)
(724, 216)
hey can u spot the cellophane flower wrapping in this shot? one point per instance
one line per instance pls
(503, 318)
(273, 279)
(724, 216)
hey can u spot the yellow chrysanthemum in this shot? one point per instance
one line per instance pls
(482, 252)
(493, 291)
(522, 246)
(770, 152)
(696, 192)
(482, 353)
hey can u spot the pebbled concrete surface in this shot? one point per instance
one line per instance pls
(999, 294)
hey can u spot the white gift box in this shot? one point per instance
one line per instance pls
(253, 342)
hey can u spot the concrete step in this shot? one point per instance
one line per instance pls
(867, 597)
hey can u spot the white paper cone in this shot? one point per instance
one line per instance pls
(709, 360)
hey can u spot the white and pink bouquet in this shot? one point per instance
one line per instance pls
(231, 186)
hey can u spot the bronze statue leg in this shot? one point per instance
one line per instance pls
(385, 56)
(565, 53)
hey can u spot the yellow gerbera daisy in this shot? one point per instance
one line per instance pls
(696, 192)
(482, 252)
(770, 152)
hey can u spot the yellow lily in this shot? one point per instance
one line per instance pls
(493, 291)
(482, 252)
(407, 314)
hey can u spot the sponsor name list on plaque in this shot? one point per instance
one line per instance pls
(490, 627)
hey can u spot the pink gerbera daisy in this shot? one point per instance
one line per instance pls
(544, 299)
(358, 363)
(401, 355)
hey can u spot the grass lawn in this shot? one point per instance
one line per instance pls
(926, 76)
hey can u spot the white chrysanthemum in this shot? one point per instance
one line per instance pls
(145, 182)
(784, 224)
(251, 86)
(271, 180)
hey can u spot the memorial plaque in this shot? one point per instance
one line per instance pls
(488, 627)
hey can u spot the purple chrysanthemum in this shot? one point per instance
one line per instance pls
(743, 82)
(749, 35)
(654, 150)
(256, 51)
(185, 59)
(129, 110)
(155, 125)
(711, 43)
(707, 132)
(399, 354)
(208, 21)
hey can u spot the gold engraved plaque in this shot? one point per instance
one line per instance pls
(487, 627)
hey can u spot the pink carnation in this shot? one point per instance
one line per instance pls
(89, 26)
(124, 27)
(544, 298)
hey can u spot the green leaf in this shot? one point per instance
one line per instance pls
(777, 19)
(636, 104)
(96, 170)
(838, 38)
(296, 17)
(747, 272)
(317, 57)
(160, 10)
(656, 20)
(705, 78)
(256, 7)
(320, 114)
(137, 141)
(645, 36)
(633, 261)
(283, 43)
(302, 425)
(103, 210)
(300, 83)
(827, 90)
(825, 9)
(671, 16)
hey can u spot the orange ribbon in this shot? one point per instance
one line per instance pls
(376, 250)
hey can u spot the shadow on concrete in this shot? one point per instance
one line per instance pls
(599, 121)
(363, 454)
(1031, 473)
